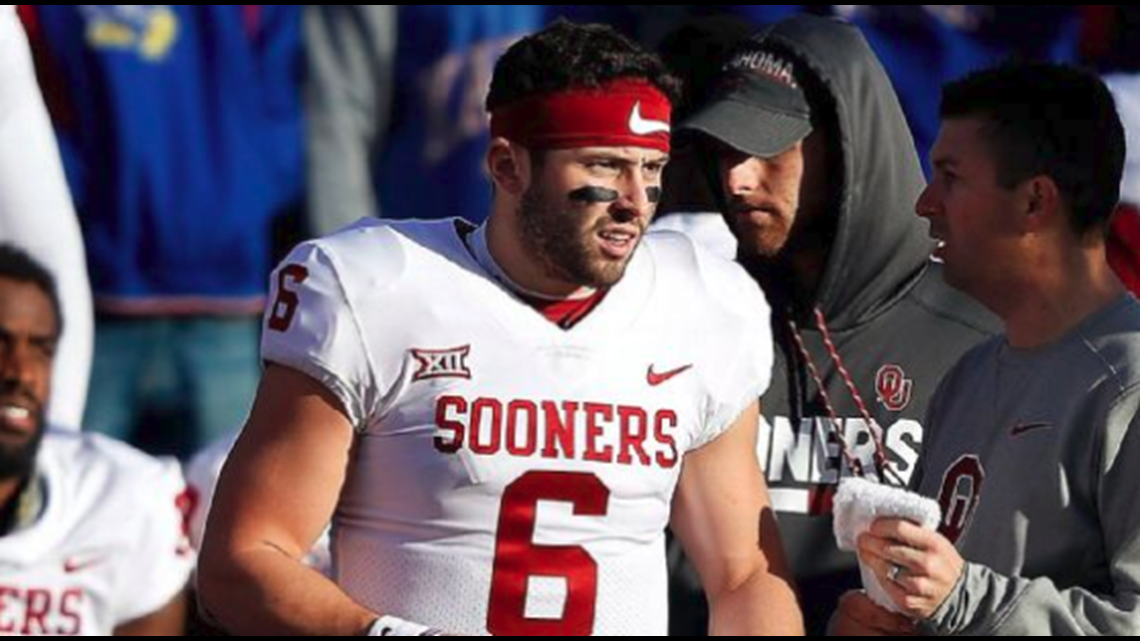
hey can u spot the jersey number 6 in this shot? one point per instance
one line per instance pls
(517, 558)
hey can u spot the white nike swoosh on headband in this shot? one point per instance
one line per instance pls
(642, 127)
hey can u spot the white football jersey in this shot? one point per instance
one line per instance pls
(511, 477)
(202, 474)
(108, 549)
(707, 229)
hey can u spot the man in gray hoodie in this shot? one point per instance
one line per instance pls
(818, 176)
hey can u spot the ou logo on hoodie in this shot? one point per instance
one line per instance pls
(894, 388)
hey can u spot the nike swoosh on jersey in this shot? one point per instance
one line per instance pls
(79, 564)
(656, 379)
(1025, 428)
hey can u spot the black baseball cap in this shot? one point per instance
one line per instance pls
(757, 105)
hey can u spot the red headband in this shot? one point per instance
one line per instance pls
(623, 113)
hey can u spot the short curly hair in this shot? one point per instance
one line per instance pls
(17, 265)
(566, 55)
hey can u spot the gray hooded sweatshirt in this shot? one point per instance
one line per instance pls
(896, 326)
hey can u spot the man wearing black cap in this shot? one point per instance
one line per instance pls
(817, 175)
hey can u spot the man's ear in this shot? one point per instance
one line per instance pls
(509, 167)
(1042, 205)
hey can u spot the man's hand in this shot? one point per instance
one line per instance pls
(917, 567)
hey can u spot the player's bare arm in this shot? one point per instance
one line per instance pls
(276, 494)
(723, 516)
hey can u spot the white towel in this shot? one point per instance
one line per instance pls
(859, 503)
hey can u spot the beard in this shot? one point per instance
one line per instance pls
(18, 461)
(554, 234)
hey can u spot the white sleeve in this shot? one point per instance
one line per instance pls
(37, 215)
(161, 566)
(749, 350)
(310, 326)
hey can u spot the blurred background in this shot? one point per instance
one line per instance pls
(199, 143)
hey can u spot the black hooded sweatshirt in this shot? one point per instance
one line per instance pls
(896, 327)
